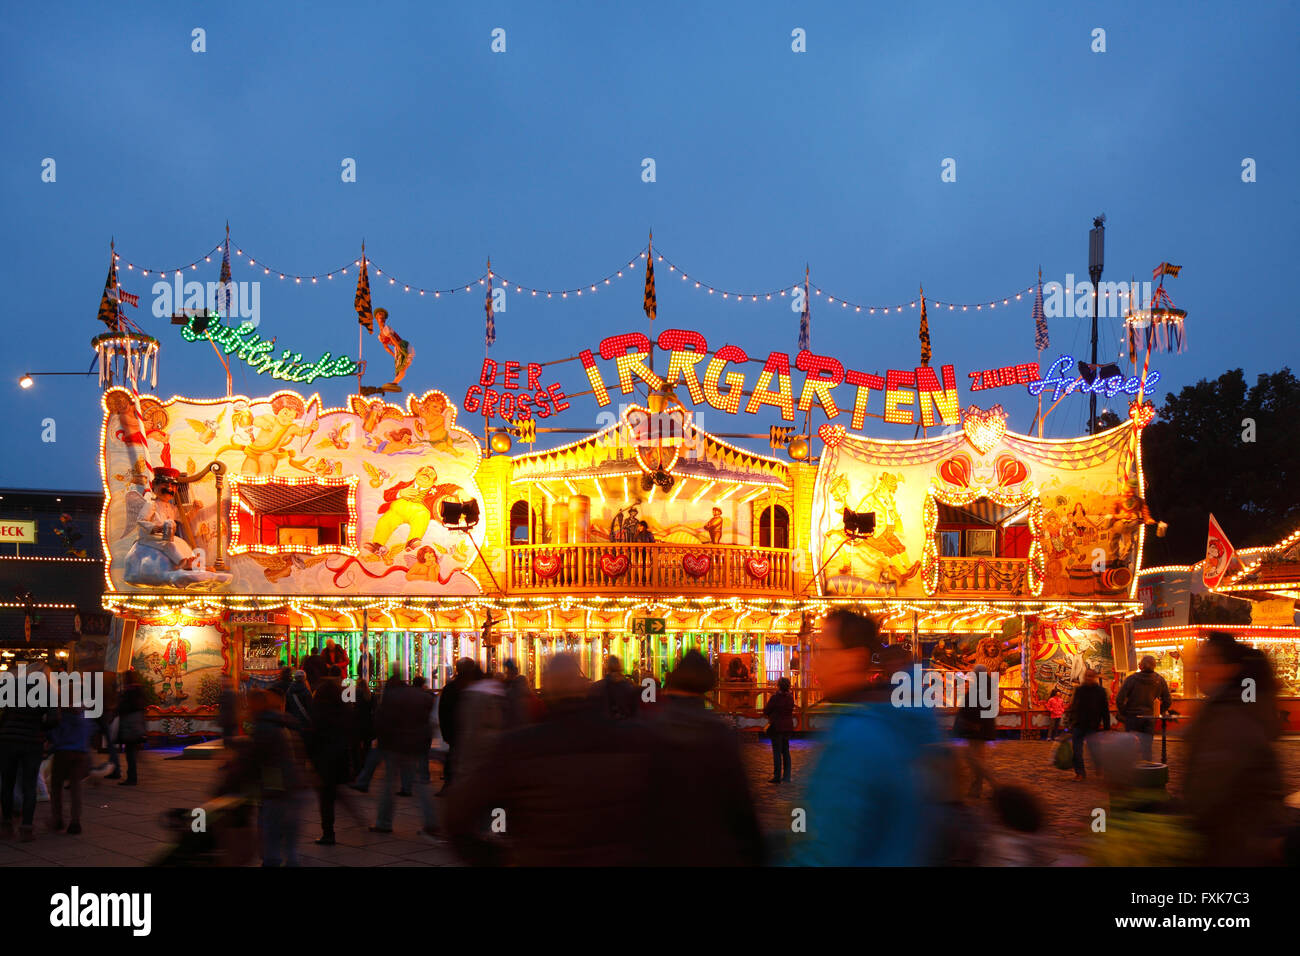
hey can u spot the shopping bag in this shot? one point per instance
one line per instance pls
(1063, 754)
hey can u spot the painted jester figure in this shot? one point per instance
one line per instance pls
(410, 504)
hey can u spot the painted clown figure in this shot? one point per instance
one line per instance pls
(409, 504)
(175, 664)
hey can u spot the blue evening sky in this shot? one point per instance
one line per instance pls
(765, 159)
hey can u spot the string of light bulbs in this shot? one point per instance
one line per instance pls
(590, 288)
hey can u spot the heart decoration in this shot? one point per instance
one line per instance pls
(984, 428)
(697, 565)
(956, 470)
(1010, 470)
(613, 565)
(546, 566)
(757, 568)
(832, 435)
(1141, 414)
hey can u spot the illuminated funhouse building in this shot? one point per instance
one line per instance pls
(240, 531)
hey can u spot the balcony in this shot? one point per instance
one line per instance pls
(652, 568)
(991, 576)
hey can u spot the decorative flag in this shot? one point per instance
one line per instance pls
(805, 317)
(924, 334)
(1041, 341)
(362, 302)
(1165, 269)
(108, 302)
(490, 330)
(1218, 555)
(650, 305)
(224, 286)
(132, 300)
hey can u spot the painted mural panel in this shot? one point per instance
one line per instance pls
(180, 666)
(389, 469)
(1075, 501)
(1060, 651)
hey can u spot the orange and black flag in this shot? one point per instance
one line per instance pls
(109, 303)
(365, 315)
(924, 334)
(650, 305)
(1165, 269)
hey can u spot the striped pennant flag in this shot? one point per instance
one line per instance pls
(924, 333)
(365, 315)
(224, 284)
(805, 317)
(109, 306)
(490, 328)
(650, 305)
(1165, 269)
(1040, 317)
(126, 297)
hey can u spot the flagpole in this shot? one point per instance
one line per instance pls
(360, 328)
(1040, 364)
(487, 348)
(649, 264)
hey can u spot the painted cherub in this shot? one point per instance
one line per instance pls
(431, 421)
(273, 433)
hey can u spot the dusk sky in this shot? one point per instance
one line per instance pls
(765, 159)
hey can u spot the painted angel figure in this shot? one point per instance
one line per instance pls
(398, 348)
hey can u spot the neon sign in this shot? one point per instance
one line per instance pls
(1007, 375)
(244, 341)
(550, 400)
(932, 392)
(1112, 385)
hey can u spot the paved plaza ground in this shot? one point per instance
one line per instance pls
(124, 826)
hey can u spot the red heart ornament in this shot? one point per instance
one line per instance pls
(612, 565)
(757, 568)
(956, 470)
(697, 565)
(546, 566)
(832, 435)
(984, 428)
(1010, 470)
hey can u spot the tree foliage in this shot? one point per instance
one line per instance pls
(1198, 459)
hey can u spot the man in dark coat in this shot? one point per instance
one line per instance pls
(707, 774)
(1139, 696)
(313, 665)
(574, 789)
(1089, 713)
(333, 728)
(22, 743)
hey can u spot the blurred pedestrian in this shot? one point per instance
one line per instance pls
(22, 744)
(521, 703)
(297, 704)
(228, 711)
(422, 765)
(1055, 711)
(131, 724)
(779, 711)
(574, 789)
(402, 723)
(614, 693)
(69, 764)
(1017, 840)
(1142, 697)
(1232, 786)
(313, 666)
(467, 672)
(368, 754)
(272, 768)
(481, 718)
(1089, 714)
(870, 797)
(705, 771)
(334, 656)
(331, 738)
(972, 724)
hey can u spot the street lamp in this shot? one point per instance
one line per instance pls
(29, 379)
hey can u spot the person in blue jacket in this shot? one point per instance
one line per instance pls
(871, 796)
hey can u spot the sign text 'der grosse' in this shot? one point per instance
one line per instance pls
(923, 394)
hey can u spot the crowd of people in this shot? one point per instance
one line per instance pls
(624, 772)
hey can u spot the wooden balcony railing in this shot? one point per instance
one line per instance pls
(618, 567)
(996, 575)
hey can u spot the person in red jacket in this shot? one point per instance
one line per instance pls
(779, 712)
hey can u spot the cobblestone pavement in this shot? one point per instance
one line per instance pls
(123, 826)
